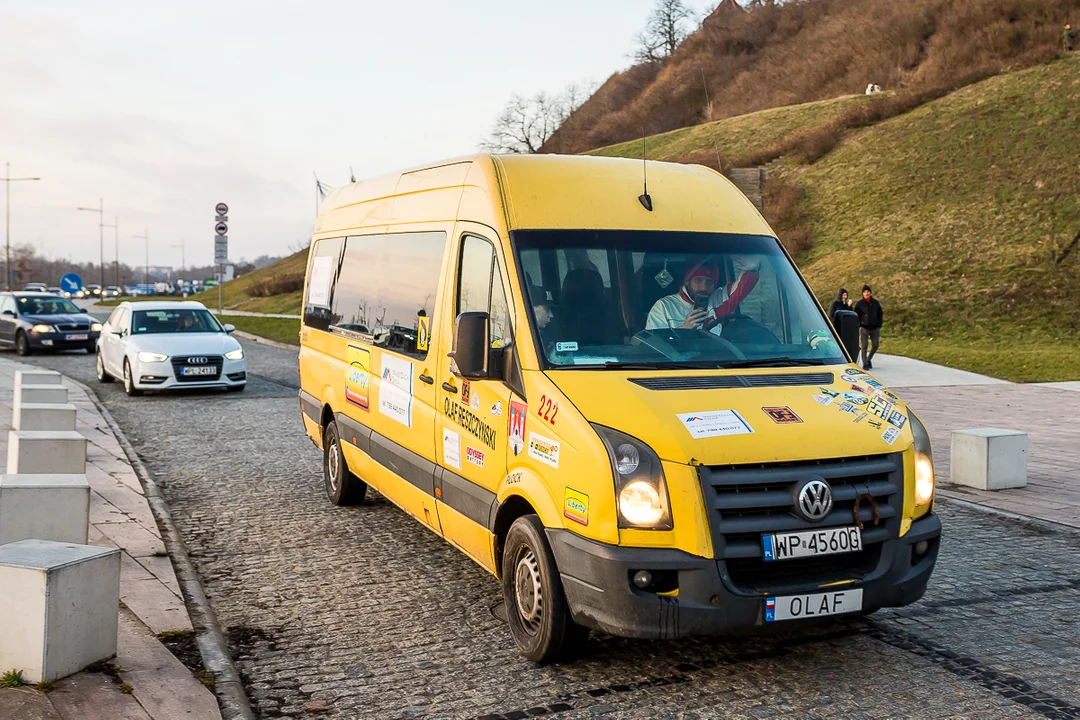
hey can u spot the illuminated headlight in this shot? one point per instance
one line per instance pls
(149, 357)
(640, 488)
(95, 327)
(924, 463)
(237, 354)
(43, 329)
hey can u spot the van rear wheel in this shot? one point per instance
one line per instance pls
(342, 487)
(536, 608)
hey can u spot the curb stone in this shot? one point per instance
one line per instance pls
(213, 647)
(1020, 519)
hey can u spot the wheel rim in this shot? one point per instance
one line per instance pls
(128, 384)
(100, 368)
(21, 343)
(528, 591)
(332, 465)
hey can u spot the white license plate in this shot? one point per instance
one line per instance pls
(82, 336)
(785, 546)
(189, 370)
(800, 607)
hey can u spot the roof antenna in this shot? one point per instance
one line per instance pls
(644, 199)
(708, 119)
(352, 175)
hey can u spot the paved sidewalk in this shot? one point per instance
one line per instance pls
(896, 371)
(161, 687)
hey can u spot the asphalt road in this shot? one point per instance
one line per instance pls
(360, 612)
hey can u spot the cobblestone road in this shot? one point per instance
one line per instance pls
(361, 613)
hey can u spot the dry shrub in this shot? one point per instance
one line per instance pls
(786, 213)
(277, 285)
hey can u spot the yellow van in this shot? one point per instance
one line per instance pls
(606, 383)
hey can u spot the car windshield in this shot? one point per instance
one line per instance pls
(177, 320)
(47, 306)
(611, 299)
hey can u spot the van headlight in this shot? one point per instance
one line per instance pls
(41, 329)
(149, 357)
(237, 354)
(640, 489)
(924, 462)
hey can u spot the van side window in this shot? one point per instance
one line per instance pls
(480, 288)
(386, 289)
(326, 255)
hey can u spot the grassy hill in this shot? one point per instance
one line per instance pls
(276, 288)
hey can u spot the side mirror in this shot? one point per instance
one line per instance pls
(472, 340)
(229, 327)
(846, 323)
(118, 331)
(9, 313)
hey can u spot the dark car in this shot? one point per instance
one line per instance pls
(32, 321)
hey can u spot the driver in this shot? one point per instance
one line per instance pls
(700, 287)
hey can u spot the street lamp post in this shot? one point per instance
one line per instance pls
(183, 263)
(7, 221)
(100, 210)
(116, 266)
(145, 236)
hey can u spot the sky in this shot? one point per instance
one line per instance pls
(164, 109)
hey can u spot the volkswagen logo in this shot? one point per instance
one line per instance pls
(813, 499)
(202, 361)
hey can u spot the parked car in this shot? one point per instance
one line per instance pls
(168, 345)
(34, 287)
(31, 321)
(55, 291)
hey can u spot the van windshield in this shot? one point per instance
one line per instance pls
(651, 299)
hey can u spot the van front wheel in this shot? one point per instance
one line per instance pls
(342, 487)
(536, 608)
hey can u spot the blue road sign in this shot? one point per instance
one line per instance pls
(71, 283)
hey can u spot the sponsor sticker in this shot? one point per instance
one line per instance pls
(466, 392)
(476, 457)
(897, 420)
(856, 398)
(470, 422)
(856, 372)
(513, 478)
(576, 506)
(496, 409)
(397, 372)
(714, 423)
(890, 435)
(823, 399)
(828, 393)
(566, 347)
(782, 415)
(873, 383)
(874, 424)
(518, 413)
(880, 408)
(544, 449)
(858, 388)
(862, 416)
(358, 376)
(451, 448)
(849, 378)
(848, 408)
(423, 333)
(475, 402)
(395, 403)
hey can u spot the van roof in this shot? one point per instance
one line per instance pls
(546, 191)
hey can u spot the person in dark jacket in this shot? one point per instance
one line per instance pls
(871, 318)
(1068, 39)
(842, 302)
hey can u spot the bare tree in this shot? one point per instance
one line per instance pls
(668, 25)
(527, 123)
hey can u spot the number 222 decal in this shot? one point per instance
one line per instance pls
(548, 409)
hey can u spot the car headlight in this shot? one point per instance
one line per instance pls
(43, 329)
(95, 327)
(237, 354)
(149, 357)
(640, 489)
(924, 462)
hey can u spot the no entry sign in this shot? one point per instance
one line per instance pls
(221, 228)
(222, 209)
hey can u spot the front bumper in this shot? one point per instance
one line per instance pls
(162, 376)
(597, 580)
(60, 341)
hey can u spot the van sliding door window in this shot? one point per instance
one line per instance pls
(320, 283)
(480, 288)
(385, 291)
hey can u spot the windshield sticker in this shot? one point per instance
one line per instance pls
(856, 398)
(322, 271)
(576, 506)
(566, 347)
(897, 419)
(782, 415)
(472, 424)
(518, 414)
(544, 449)
(593, 360)
(715, 423)
(890, 435)
(358, 376)
(823, 399)
(496, 409)
(451, 449)
(476, 457)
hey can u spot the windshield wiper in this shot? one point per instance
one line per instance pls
(776, 362)
(660, 366)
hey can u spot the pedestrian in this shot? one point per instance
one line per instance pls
(842, 302)
(871, 318)
(1068, 39)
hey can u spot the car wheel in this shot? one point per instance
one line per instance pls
(22, 344)
(342, 487)
(536, 608)
(103, 375)
(91, 348)
(129, 381)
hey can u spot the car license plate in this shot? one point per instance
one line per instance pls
(785, 546)
(799, 607)
(188, 370)
(82, 336)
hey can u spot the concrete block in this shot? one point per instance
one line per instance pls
(26, 394)
(66, 598)
(37, 377)
(989, 458)
(44, 416)
(59, 452)
(44, 507)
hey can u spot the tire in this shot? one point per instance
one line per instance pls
(342, 487)
(536, 608)
(22, 344)
(129, 381)
(91, 348)
(103, 375)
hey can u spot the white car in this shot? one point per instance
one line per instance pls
(169, 345)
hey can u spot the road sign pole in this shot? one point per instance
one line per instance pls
(220, 290)
(221, 249)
